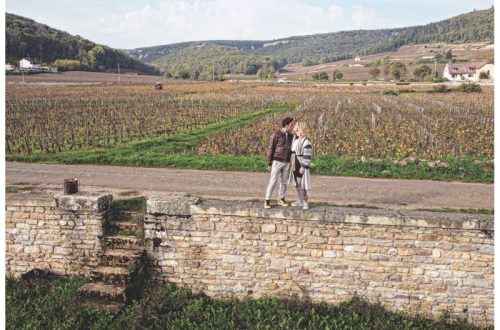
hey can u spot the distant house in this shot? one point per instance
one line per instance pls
(468, 72)
(488, 70)
(27, 64)
(9, 67)
(284, 81)
(357, 58)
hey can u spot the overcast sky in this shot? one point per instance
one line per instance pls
(130, 24)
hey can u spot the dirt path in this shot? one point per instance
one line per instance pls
(384, 193)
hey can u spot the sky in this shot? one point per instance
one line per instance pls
(130, 24)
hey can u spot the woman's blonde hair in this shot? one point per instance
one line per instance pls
(302, 130)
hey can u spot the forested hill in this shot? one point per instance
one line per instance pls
(26, 38)
(314, 49)
(322, 48)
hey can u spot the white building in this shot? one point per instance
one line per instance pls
(25, 64)
(488, 70)
(468, 72)
(357, 58)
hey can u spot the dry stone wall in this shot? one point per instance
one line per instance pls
(59, 233)
(422, 262)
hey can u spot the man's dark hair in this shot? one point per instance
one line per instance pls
(286, 121)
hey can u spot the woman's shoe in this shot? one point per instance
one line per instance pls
(267, 204)
(297, 203)
(283, 203)
(305, 206)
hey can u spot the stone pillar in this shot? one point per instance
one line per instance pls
(166, 215)
(60, 233)
(83, 220)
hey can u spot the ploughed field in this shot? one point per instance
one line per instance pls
(343, 120)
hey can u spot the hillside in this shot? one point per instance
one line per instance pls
(27, 38)
(205, 61)
(324, 48)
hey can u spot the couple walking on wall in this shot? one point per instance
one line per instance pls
(289, 157)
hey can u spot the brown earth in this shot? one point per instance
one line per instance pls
(132, 182)
(79, 77)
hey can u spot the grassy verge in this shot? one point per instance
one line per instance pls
(464, 170)
(52, 304)
(458, 169)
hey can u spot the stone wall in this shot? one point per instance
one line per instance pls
(422, 262)
(59, 233)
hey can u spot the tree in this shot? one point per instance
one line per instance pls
(307, 62)
(398, 70)
(374, 72)
(422, 72)
(337, 75)
(439, 58)
(387, 70)
(448, 55)
(320, 75)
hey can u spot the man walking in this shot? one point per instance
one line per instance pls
(278, 160)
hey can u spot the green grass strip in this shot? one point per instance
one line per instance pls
(133, 204)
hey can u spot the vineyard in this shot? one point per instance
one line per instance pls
(363, 123)
(51, 120)
(358, 124)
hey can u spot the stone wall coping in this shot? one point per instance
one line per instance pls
(171, 204)
(407, 218)
(20, 199)
(94, 202)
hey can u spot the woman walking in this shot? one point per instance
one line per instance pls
(300, 164)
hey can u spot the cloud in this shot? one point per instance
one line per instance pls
(364, 17)
(183, 20)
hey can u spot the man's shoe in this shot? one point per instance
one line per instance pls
(297, 203)
(267, 204)
(282, 202)
(305, 206)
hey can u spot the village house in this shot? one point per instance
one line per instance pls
(26, 64)
(473, 72)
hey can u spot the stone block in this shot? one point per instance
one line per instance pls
(81, 202)
(32, 249)
(20, 215)
(231, 259)
(277, 237)
(62, 250)
(269, 228)
(170, 204)
(205, 225)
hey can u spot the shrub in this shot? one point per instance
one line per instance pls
(440, 89)
(469, 88)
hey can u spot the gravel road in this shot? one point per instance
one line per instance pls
(383, 193)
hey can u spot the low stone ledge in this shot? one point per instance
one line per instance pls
(93, 202)
(14, 199)
(406, 218)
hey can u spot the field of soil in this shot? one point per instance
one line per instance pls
(79, 78)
